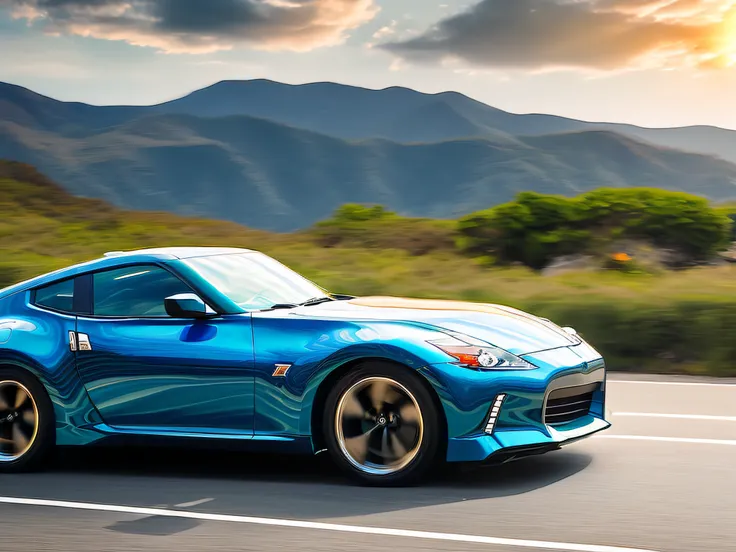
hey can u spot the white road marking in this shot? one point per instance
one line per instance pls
(677, 416)
(194, 503)
(319, 526)
(692, 383)
(669, 439)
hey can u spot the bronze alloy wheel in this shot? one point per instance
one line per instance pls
(379, 425)
(18, 420)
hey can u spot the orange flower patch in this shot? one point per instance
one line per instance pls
(621, 257)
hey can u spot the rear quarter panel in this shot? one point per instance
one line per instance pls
(36, 341)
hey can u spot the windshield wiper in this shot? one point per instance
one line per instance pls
(282, 306)
(316, 301)
(308, 303)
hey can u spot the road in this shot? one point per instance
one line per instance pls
(662, 479)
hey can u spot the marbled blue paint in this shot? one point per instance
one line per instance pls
(169, 373)
(214, 378)
(39, 344)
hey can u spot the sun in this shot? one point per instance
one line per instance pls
(730, 24)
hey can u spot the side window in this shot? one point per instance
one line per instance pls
(58, 296)
(134, 291)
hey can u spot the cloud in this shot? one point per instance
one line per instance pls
(202, 26)
(602, 35)
(387, 30)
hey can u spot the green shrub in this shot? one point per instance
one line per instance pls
(673, 220)
(354, 212)
(532, 230)
(536, 228)
(729, 210)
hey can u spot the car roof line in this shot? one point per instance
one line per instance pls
(116, 259)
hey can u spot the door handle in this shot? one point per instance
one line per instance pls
(79, 342)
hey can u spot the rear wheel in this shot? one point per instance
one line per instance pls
(26, 421)
(382, 426)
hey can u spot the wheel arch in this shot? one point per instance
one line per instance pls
(18, 361)
(326, 385)
(72, 407)
(26, 367)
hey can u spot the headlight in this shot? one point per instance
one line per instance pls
(474, 354)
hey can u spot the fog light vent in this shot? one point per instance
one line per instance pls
(493, 415)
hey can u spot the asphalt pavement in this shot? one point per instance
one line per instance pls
(663, 479)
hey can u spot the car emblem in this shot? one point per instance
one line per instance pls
(281, 370)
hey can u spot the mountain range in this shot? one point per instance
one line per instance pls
(280, 157)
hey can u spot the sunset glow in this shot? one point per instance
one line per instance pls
(726, 41)
(731, 35)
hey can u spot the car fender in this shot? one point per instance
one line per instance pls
(410, 348)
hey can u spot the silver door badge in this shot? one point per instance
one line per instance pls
(84, 344)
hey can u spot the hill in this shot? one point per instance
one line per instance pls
(281, 157)
(270, 176)
(30, 110)
(353, 112)
(43, 227)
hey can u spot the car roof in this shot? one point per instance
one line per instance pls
(118, 258)
(169, 253)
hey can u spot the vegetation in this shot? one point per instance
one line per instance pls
(374, 227)
(663, 321)
(729, 210)
(535, 228)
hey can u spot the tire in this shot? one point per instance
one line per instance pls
(30, 443)
(405, 442)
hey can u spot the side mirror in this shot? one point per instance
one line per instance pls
(187, 305)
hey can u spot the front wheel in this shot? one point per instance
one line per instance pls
(382, 426)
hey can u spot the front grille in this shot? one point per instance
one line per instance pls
(568, 404)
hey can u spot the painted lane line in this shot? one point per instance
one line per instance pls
(677, 416)
(691, 383)
(319, 526)
(193, 503)
(669, 439)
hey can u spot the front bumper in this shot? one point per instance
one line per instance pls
(504, 446)
(522, 428)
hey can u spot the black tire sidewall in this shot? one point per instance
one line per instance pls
(46, 436)
(428, 455)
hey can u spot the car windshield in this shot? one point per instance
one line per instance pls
(255, 281)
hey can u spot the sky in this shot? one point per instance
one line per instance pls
(657, 63)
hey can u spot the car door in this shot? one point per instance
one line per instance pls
(146, 371)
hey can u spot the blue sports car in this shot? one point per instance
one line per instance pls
(210, 345)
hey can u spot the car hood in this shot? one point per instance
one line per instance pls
(513, 330)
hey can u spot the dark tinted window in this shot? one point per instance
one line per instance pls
(58, 296)
(135, 291)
